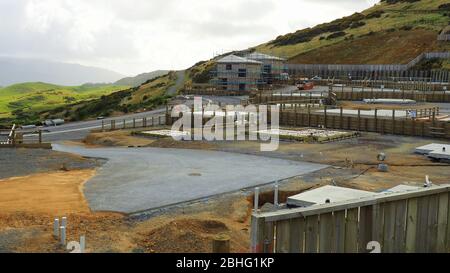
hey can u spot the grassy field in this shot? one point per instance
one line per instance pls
(27, 99)
(418, 23)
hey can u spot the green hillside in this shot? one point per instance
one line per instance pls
(147, 96)
(24, 101)
(393, 31)
(141, 78)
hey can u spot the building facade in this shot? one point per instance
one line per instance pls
(245, 74)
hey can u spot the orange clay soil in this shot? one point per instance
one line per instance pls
(52, 193)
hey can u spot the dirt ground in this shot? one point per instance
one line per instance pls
(26, 224)
(53, 193)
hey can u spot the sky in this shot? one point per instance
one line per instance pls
(136, 36)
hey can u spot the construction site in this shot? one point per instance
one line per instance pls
(264, 154)
(347, 151)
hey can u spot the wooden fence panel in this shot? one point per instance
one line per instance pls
(400, 226)
(283, 236)
(422, 224)
(297, 235)
(326, 231)
(415, 221)
(432, 226)
(365, 228)
(411, 225)
(351, 231)
(442, 222)
(311, 236)
(339, 231)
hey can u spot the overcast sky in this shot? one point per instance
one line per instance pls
(135, 36)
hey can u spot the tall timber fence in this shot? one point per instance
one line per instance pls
(375, 71)
(419, 96)
(394, 124)
(413, 221)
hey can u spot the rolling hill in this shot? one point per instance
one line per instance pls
(23, 102)
(19, 70)
(141, 78)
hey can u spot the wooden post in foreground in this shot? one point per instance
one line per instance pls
(221, 244)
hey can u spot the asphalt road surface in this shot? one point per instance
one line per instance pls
(79, 130)
(137, 180)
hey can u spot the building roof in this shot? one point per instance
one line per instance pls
(236, 59)
(262, 56)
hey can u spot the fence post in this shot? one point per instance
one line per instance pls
(309, 115)
(376, 120)
(221, 244)
(256, 200)
(56, 228)
(393, 121)
(359, 119)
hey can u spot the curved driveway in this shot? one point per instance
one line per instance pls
(140, 179)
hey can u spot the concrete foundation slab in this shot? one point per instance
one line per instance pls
(389, 101)
(401, 188)
(140, 179)
(433, 147)
(367, 113)
(320, 195)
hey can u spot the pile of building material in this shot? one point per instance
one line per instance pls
(319, 135)
(435, 151)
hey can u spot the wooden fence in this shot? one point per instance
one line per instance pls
(133, 123)
(414, 221)
(15, 138)
(358, 95)
(384, 125)
(374, 71)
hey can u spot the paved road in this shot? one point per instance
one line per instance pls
(179, 82)
(79, 130)
(135, 180)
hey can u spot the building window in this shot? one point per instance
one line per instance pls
(223, 81)
(242, 73)
(229, 67)
(242, 87)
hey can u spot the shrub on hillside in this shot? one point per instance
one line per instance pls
(399, 1)
(445, 6)
(306, 35)
(336, 35)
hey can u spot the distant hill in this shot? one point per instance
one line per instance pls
(18, 70)
(141, 78)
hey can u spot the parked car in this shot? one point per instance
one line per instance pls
(53, 122)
